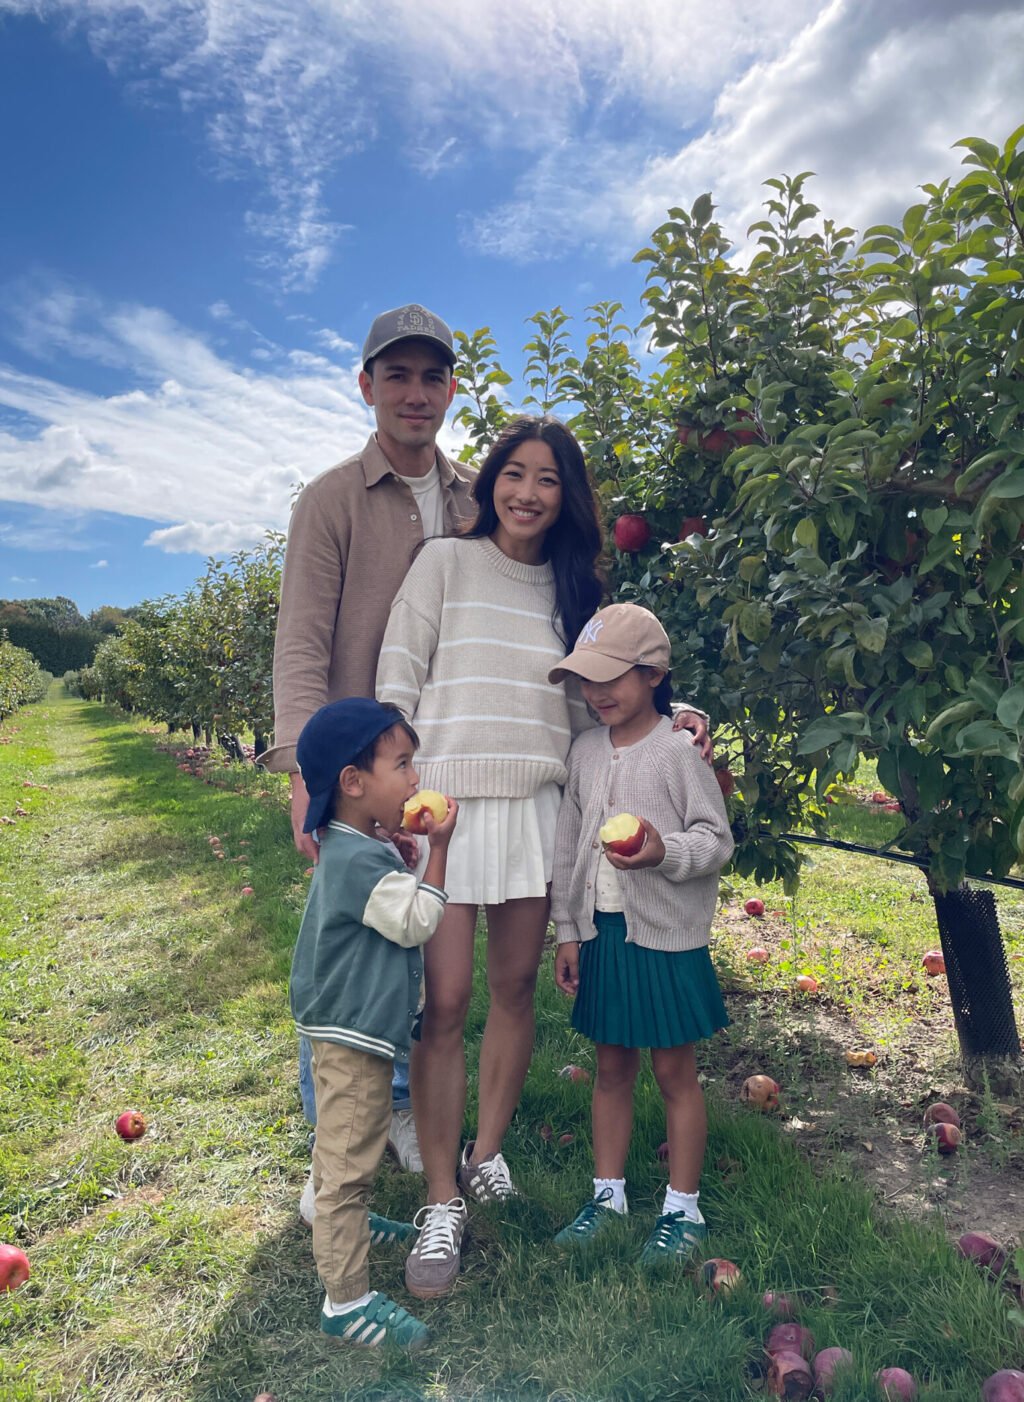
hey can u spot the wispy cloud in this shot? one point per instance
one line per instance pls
(99, 564)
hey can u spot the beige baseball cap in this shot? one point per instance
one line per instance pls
(411, 322)
(616, 638)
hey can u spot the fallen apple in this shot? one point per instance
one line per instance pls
(933, 963)
(426, 801)
(14, 1267)
(566, 1138)
(624, 835)
(824, 1365)
(1005, 1386)
(789, 1375)
(755, 906)
(947, 1137)
(546, 1133)
(721, 1275)
(984, 1251)
(897, 1384)
(790, 1338)
(574, 1073)
(861, 1058)
(248, 891)
(761, 1092)
(879, 797)
(779, 1304)
(806, 983)
(130, 1125)
(631, 533)
(758, 955)
(941, 1113)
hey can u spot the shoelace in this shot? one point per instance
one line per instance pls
(664, 1229)
(437, 1229)
(494, 1172)
(588, 1212)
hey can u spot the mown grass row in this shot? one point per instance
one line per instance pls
(135, 973)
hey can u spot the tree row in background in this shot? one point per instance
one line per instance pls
(203, 659)
(54, 631)
(22, 680)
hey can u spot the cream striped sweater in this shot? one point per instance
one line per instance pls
(466, 654)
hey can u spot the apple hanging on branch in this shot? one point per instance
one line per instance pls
(631, 534)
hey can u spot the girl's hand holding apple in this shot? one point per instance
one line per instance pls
(651, 854)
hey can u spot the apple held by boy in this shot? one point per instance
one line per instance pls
(624, 835)
(426, 801)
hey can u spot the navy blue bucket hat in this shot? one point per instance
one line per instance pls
(331, 739)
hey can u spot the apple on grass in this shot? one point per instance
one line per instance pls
(758, 955)
(762, 1092)
(941, 1113)
(1005, 1386)
(130, 1125)
(807, 983)
(947, 1137)
(426, 801)
(624, 835)
(897, 1384)
(933, 962)
(721, 1275)
(14, 1267)
(574, 1073)
(755, 906)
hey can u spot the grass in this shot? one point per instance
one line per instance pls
(136, 974)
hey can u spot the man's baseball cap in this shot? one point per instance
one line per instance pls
(617, 638)
(331, 739)
(407, 323)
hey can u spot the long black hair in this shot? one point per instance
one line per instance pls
(573, 544)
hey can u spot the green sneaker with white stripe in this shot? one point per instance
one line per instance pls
(676, 1237)
(593, 1218)
(378, 1323)
(383, 1231)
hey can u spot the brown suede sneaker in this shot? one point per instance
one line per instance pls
(432, 1266)
(486, 1181)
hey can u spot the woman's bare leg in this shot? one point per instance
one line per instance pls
(515, 940)
(438, 1063)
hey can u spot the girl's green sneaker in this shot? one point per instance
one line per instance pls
(379, 1321)
(675, 1237)
(593, 1218)
(383, 1231)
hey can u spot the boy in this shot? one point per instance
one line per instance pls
(354, 988)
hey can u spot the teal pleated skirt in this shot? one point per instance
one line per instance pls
(630, 996)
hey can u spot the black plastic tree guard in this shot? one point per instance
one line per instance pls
(978, 976)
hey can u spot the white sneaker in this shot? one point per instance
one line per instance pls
(307, 1203)
(403, 1143)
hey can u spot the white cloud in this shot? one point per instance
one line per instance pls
(99, 565)
(20, 579)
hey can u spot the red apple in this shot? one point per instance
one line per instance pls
(1005, 1386)
(947, 1137)
(755, 906)
(879, 797)
(897, 1384)
(758, 955)
(623, 835)
(778, 1304)
(546, 1133)
(131, 1125)
(685, 433)
(264, 1397)
(806, 983)
(662, 1151)
(14, 1267)
(566, 1139)
(984, 1251)
(574, 1073)
(941, 1114)
(721, 1275)
(933, 963)
(726, 781)
(790, 1338)
(426, 801)
(761, 1092)
(248, 891)
(789, 1375)
(824, 1365)
(692, 525)
(716, 441)
(631, 534)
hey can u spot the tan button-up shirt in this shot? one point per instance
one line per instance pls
(351, 540)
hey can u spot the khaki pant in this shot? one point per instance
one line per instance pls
(353, 1117)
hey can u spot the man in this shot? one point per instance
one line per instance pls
(352, 536)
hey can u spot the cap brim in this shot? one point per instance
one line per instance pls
(591, 666)
(435, 341)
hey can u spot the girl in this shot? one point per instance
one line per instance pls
(633, 930)
(473, 633)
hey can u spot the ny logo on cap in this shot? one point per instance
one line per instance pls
(590, 632)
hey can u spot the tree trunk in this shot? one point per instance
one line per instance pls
(979, 986)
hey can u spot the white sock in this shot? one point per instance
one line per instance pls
(682, 1202)
(618, 1190)
(332, 1307)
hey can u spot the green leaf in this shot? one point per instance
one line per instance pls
(821, 733)
(1010, 710)
(806, 533)
(934, 518)
(871, 633)
(918, 654)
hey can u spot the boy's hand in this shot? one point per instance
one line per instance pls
(440, 834)
(408, 847)
(567, 968)
(698, 727)
(651, 854)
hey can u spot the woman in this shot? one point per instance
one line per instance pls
(475, 629)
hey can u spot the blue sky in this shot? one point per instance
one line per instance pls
(205, 204)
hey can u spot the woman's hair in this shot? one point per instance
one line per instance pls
(573, 544)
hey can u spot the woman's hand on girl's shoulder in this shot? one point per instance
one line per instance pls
(567, 968)
(695, 723)
(651, 854)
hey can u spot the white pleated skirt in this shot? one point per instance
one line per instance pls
(503, 848)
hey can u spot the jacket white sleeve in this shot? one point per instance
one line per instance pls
(404, 910)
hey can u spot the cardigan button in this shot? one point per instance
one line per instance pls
(413, 516)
